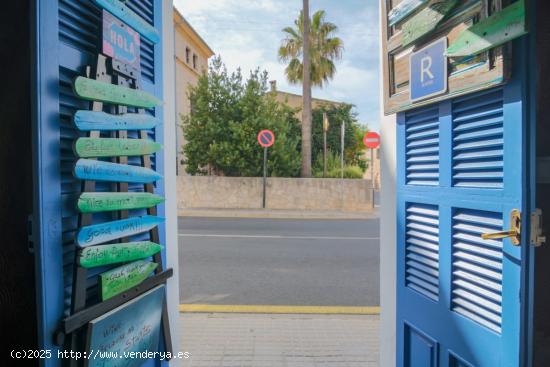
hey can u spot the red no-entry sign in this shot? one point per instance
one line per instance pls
(266, 138)
(371, 140)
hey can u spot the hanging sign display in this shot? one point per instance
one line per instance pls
(102, 121)
(88, 169)
(132, 327)
(114, 253)
(112, 147)
(95, 202)
(95, 90)
(117, 280)
(120, 41)
(109, 231)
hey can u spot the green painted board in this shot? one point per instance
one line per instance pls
(124, 277)
(426, 20)
(499, 28)
(112, 147)
(95, 202)
(403, 10)
(101, 255)
(95, 90)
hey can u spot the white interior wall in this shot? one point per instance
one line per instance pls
(169, 152)
(387, 230)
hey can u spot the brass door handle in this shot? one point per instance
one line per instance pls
(514, 233)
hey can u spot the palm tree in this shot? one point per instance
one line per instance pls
(324, 48)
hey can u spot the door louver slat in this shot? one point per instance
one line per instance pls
(422, 147)
(422, 250)
(476, 291)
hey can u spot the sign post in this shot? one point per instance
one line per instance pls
(266, 138)
(372, 141)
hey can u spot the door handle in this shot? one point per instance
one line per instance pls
(514, 233)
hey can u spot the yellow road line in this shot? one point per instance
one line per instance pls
(329, 310)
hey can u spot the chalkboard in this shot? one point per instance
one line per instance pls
(132, 327)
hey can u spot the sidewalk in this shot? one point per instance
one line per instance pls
(268, 340)
(275, 214)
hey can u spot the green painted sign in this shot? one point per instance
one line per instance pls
(491, 32)
(124, 277)
(95, 90)
(112, 147)
(95, 202)
(114, 253)
(426, 20)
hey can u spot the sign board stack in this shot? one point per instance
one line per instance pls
(440, 49)
(118, 235)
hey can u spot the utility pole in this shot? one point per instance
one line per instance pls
(325, 129)
(342, 136)
(306, 97)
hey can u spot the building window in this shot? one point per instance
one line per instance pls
(187, 53)
(194, 61)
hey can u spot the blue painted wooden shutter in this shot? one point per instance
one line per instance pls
(67, 39)
(461, 170)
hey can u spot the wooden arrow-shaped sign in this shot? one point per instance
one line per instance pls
(403, 10)
(124, 277)
(101, 255)
(102, 121)
(426, 20)
(95, 202)
(100, 233)
(491, 32)
(95, 90)
(113, 147)
(88, 169)
(121, 11)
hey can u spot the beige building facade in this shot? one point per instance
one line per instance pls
(191, 60)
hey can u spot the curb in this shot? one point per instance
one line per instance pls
(273, 309)
(274, 214)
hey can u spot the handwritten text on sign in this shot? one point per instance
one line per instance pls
(132, 327)
(120, 41)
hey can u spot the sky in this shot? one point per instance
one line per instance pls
(247, 34)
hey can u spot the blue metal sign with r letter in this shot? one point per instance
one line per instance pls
(428, 73)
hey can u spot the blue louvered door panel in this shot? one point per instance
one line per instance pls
(461, 171)
(67, 40)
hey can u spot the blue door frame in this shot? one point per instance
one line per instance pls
(65, 40)
(463, 165)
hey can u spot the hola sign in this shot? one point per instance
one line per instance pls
(120, 41)
(428, 74)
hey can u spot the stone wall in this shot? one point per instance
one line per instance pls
(214, 192)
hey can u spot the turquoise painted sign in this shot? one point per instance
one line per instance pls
(123, 336)
(121, 11)
(120, 41)
(89, 169)
(102, 121)
(109, 231)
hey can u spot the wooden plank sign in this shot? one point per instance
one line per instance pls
(104, 232)
(491, 32)
(121, 11)
(95, 90)
(113, 253)
(124, 277)
(132, 327)
(120, 41)
(101, 121)
(88, 169)
(95, 202)
(403, 10)
(113, 147)
(426, 20)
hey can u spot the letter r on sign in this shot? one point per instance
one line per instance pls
(425, 66)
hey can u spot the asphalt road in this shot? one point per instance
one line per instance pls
(279, 262)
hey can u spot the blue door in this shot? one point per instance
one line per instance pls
(67, 39)
(462, 172)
